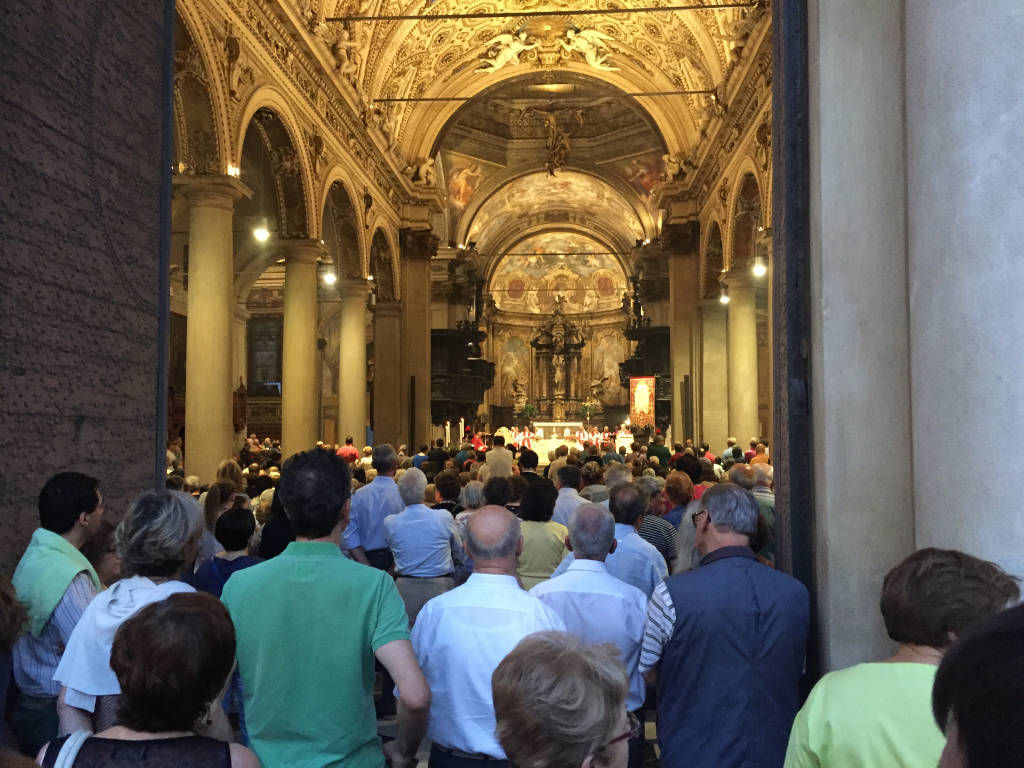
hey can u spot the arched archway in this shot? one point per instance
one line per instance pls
(382, 269)
(341, 232)
(271, 166)
(746, 223)
(714, 262)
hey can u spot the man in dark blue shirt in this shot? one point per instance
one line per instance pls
(726, 644)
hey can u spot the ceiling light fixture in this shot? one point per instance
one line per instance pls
(261, 231)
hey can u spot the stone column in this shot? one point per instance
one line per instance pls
(764, 246)
(299, 379)
(743, 422)
(714, 373)
(965, 124)
(387, 379)
(209, 431)
(417, 248)
(683, 242)
(352, 361)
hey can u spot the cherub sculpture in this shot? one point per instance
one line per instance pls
(591, 44)
(507, 52)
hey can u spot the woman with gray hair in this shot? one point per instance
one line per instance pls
(157, 542)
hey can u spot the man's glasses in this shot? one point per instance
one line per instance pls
(632, 733)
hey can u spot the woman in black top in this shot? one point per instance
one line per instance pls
(168, 691)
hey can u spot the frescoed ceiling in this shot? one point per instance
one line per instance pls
(439, 58)
(539, 201)
(542, 268)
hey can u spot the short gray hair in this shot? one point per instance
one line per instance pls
(591, 530)
(473, 495)
(617, 474)
(742, 475)
(503, 548)
(731, 508)
(652, 485)
(412, 486)
(384, 458)
(154, 535)
(763, 473)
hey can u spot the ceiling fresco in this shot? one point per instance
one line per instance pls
(423, 57)
(537, 199)
(542, 268)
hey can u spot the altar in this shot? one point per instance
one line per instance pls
(555, 433)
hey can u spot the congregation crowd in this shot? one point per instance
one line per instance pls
(613, 607)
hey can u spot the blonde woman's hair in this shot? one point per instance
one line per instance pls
(558, 701)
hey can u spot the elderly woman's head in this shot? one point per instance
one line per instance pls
(412, 485)
(935, 594)
(159, 535)
(172, 659)
(473, 495)
(561, 704)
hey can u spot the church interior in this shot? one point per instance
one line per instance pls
(397, 220)
(441, 221)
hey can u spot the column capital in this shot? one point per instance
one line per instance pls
(711, 305)
(354, 288)
(682, 238)
(212, 191)
(302, 250)
(388, 308)
(417, 244)
(737, 280)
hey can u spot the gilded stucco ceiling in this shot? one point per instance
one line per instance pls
(435, 58)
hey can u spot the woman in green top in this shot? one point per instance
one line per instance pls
(543, 540)
(879, 714)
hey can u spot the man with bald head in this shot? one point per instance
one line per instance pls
(460, 637)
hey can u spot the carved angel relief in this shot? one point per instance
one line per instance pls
(547, 48)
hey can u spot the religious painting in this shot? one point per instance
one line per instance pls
(463, 176)
(570, 268)
(608, 349)
(641, 172)
(641, 401)
(514, 363)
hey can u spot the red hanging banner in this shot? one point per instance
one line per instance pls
(641, 401)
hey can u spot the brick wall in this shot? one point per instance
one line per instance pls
(79, 214)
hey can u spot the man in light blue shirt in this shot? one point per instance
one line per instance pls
(596, 606)
(567, 481)
(424, 543)
(634, 560)
(461, 636)
(364, 536)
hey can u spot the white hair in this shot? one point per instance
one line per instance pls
(412, 485)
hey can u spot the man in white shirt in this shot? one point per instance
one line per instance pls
(634, 560)
(499, 459)
(461, 636)
(599, 608)
(567, 481)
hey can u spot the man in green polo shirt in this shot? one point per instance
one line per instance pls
(309, 623)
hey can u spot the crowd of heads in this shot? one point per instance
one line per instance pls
(558, 701)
